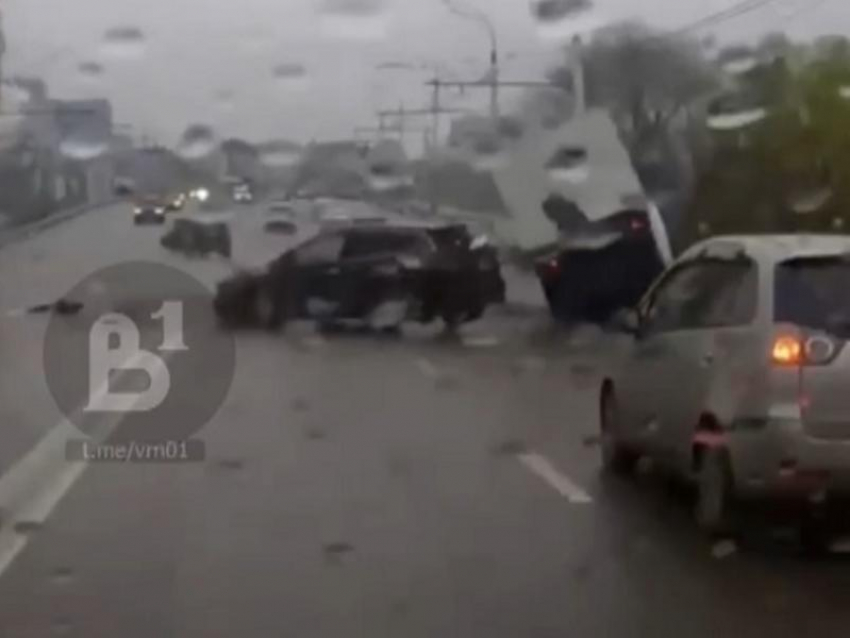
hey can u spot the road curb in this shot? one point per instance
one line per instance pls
(19, 233)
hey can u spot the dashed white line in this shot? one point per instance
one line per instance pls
(36, 484)
(562, 484)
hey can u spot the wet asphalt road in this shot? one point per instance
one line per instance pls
(364, 486)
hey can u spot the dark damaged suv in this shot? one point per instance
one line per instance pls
(378, 274)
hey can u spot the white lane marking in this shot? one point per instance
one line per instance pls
(35, 485)
(482, 341)
(541, 466)
(427, 368)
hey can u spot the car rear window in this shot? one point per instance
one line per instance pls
(454, 237)
(360, 244)
(812, 293)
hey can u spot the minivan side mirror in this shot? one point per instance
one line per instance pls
(627, 321)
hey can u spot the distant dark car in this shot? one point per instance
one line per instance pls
(198, 236)
(603, 267)
(382, 275)
(149, 210)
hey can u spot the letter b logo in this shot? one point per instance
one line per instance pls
(145, 347)
(115, 348)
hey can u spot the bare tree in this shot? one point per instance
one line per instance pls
(644, 78)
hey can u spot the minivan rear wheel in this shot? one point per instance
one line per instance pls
(616, 457)
(714, 508)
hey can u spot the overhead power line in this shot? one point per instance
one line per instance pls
(735, 11)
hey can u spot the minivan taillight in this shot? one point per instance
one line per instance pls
(787, 350)
(803, 350)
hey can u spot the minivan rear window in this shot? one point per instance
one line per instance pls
(814, 293)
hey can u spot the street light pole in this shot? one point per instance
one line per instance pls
(494, 82)
(482, 19)
(435, 113)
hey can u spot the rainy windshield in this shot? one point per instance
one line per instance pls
(813, 293)
(401, 317)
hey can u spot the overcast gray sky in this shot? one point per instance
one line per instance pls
(211, 61)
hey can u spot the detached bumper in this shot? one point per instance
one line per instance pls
(778, 459)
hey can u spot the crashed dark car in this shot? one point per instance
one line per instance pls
(603, 267)
(199, 236)
(382, 275)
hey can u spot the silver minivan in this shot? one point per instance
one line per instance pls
(737, 374)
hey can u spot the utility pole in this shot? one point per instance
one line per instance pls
(483, 20)
(403, 114)
(401, 123)
(435, 112)
(437, 84)
(494, 80)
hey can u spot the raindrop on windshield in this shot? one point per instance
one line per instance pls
(90, 70)
(489, 153)
(290, 75)
(735, 111)
(561, 19)
(549, 108)
(124, 42)
(484, 142)
(257, 40)
(289, 71)
(741, 65)
(224, 99)
(279, 154)
(15, 97)
(84, 146)
(198, 141)
(844, 92)
(354, 19)
(737, 120)
(388, 167)
(569, 165)
(384, 178)
(807, 202)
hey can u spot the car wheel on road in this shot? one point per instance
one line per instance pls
(715, 498)
(815, 535)
(453, 319)
(267, 310)
(616, 457)
(476, 312)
